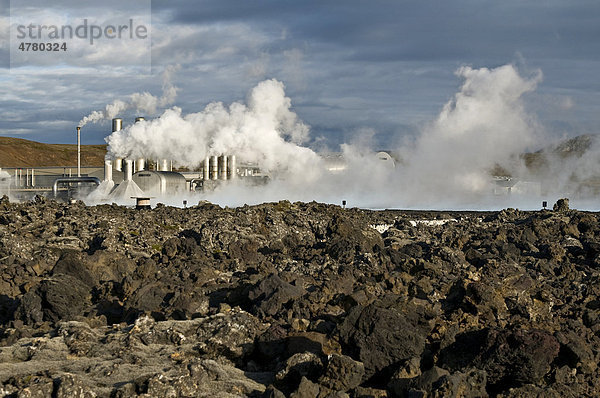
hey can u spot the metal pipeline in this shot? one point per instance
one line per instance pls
(196, 181)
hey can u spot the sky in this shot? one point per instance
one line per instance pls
(381, 69)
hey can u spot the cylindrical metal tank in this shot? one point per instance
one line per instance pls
(387, 158)
(140, 164)
(214, 170)
(158, 183)
(205, 169)
(232, 167)
(117, 124)
(128, 169)
(139, 119)
(108, 170)
(222, 167)
(119, 164)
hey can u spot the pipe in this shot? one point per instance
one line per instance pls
(117, 124)
(32, 178)
(205, 169)
(214, 171)
(128, 172)
(119, 164)
(140, 119)
(68, 180)
(78, 151)
(232, 174)
(140, 164)
(108, 170)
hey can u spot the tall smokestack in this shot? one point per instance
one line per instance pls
(205, 169)
(164, 165)
(214, 170)
(232, 166)
(128, 172)
(78, 151)
(140, 164)
(222, 167)
(108, 170)
(117, 124)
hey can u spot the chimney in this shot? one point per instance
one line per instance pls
(108, 170)
(128, 172)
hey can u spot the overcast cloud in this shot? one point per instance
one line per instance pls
(385, 66)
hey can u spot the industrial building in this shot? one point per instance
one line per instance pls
(124, 178)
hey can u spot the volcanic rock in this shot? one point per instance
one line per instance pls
(297, 299)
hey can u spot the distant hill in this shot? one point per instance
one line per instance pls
(17, 152)
(570, 148)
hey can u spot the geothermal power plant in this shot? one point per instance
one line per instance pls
(123, 179)
(155, 177)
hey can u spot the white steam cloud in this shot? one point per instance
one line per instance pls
(484, 128)
(141, 102)
(265, 131)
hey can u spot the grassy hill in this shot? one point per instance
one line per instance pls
(17, 152)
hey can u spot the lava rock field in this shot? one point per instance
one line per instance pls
(297, 300)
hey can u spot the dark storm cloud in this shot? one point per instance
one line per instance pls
(424, 30)
(347, 65)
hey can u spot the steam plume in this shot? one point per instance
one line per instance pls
(142, 102)
(484, 126)
(264, 131)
